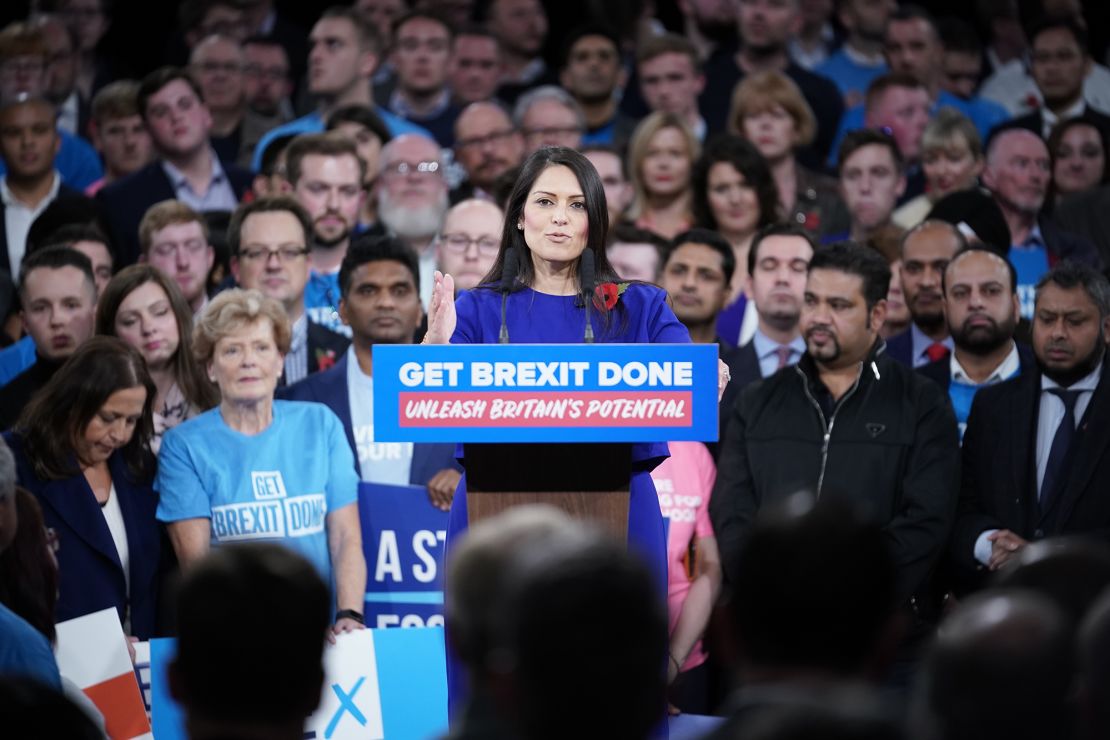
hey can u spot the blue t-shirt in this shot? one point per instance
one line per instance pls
(25, 652)
(1030, 263)
(321, 301)
(76, 161)
(15, 359)
(275, 486)
(850, 76)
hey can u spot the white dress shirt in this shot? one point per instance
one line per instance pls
(18, 217)
(1049, 416)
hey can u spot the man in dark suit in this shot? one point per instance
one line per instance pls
(187, 168)
(1035, 456)
(1059, 63)
(697, 273)
(268, 242)
(926, 250)
(380, 301)
(982, 311)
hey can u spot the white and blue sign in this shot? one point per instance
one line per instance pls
(388, 684)
(545, 393)
(403, 538)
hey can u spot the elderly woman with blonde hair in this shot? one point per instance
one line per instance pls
(258, 469)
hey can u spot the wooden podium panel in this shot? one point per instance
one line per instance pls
(587, 481)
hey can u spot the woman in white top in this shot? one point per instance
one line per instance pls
(144, 308)
(82, 447)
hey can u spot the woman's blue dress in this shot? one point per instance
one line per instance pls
(539, 318)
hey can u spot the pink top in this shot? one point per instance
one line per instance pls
(684, 482)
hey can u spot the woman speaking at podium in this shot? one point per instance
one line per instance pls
(555, 225)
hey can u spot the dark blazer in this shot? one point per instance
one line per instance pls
(940, 372)
(64, 192)
(322, 342)
(743, 368)
(90, 577)
(900, 348)
(124, 203)
(330, 388)
(999, 485)
(1035, 122)
(1064, 245)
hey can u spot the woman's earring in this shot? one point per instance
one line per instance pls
(520, 227)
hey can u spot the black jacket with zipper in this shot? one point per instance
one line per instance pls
(889, 446)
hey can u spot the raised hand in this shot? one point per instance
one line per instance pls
(441, 310)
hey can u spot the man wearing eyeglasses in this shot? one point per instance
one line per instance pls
(487, 145)
(412, 199)
(468, 245)
(218, 63)
(268, 241)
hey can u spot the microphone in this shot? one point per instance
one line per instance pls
(587, 278)
(508, 279)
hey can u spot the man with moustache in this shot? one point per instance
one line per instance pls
(268, 241)
(487, 145)
(412, 199)
(1035, 460)
(926, 251)
(326, 175)
(846, 423)
(982, 310)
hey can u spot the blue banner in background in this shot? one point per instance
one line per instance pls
(402, 537)
(545, 393)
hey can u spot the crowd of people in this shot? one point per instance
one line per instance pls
(893, 225)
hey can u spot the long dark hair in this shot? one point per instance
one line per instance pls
(57, 415)
(597, 214)
(28, 579)
(187, 372)
(747, 160)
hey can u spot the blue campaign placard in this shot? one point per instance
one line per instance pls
(403, 539)
(545, 393)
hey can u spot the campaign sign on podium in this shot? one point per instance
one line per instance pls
(545, 392)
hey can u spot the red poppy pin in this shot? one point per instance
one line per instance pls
(325, 358)
(606, 295)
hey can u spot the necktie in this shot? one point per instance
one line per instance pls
(783, 352)
(936, 351)
(1054, 469)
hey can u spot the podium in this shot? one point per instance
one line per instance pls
(547, 423)
(587, 481)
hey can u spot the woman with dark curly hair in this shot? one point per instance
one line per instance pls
(735, 195)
